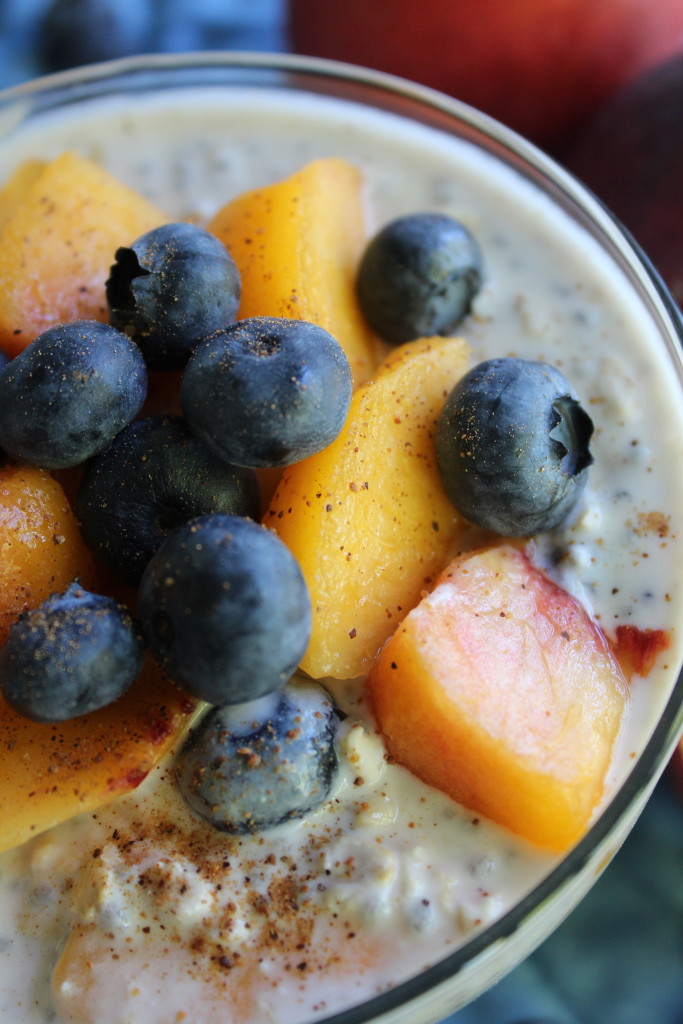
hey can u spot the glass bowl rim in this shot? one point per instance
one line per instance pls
(653, 758)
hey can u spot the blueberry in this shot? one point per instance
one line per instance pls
(75, 653)
(3, 362)
(225, 608)
(170, 289)
(418, 276)
(253, 766)
(512, 446)
(69, 393)
(154, 476)
(267, 391)
(75, 32)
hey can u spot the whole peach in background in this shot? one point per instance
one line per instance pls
(540, 66)
(631, 155)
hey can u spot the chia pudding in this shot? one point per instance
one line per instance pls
(140, 911)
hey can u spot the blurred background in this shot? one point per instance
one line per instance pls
(599, 85)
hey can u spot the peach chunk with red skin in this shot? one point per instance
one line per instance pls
(637, 649)
(500, 690)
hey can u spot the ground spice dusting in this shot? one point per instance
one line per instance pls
(266, 909)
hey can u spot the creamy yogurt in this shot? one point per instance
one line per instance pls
(142, 914)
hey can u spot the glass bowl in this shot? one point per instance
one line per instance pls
(24, 111)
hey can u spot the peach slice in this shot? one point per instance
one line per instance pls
(60, 225)
(368, 518)
(52, 772)
(297, 244)
(500, 690)
(41, 549)
(16, 187)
